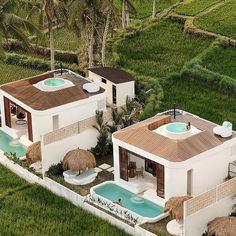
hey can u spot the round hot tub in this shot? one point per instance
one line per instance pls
(177, 130)
(53, 84)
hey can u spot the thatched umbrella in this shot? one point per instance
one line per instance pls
(79, 160)
(222, 226)
(33, 153)
(175, 207)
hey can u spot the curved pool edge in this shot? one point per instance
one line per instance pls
(143, 218)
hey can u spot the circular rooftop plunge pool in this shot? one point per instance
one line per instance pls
(53, 84)
(178, 130)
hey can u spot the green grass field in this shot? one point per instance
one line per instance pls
(144, 8)
(159, 50)
(163, 49)
(221, 20)
(64, 39)
(195, 7)
(197, 99)
(34, 211)
(12, 72)
(221, 60)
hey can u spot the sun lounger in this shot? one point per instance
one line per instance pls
(224, 131)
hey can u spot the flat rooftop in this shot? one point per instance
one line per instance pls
(25, 91)
(141, 135)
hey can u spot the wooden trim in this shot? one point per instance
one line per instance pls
(123, 157)
(30, 130)
(160, 180)
(7, 109)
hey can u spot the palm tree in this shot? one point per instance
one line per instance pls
(53, 10)
(110, 12)
(12, 25)
(83, 18)
(104, 145)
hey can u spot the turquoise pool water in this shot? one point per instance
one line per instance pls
(8, 144)
(129, 200)
(177, 127)
(54, 82)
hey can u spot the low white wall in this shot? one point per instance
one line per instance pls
(139, 231)
(54, 153)
(196, 224)
(20, 171)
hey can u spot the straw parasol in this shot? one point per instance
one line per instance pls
(222, 226)
(33, 153)
(79, 160)
(175, 207)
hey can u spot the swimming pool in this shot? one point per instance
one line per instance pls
(8, 144)
(129, 200)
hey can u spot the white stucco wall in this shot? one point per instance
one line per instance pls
(122, 90)
(54, 153)
(196, 224)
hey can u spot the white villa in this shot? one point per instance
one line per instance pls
(58, 99)
(59, 109)
(174, 162)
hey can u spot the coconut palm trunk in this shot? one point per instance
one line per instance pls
(123, 14)
(126, 14)
(91, 40)
(51, 42)
(154, 9)
(104, 39)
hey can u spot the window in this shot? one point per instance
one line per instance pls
(104, 81)
(113, 94)
(55, 122)
(189, 182)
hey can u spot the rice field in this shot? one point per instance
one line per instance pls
(194, 7)
(221, 20)
(159, 50)
(221, 60)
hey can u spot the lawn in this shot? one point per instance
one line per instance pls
(12, 72)
(221, 20)
(36, 211)
(221, 60)
(194, 7)
(159, 50)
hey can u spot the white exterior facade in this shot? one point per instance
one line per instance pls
(209, 168)
(122, 89)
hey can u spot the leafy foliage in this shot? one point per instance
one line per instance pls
(55, 170)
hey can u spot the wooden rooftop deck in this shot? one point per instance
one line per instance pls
(201, 124)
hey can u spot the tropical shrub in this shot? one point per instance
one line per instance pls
(55, 170)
